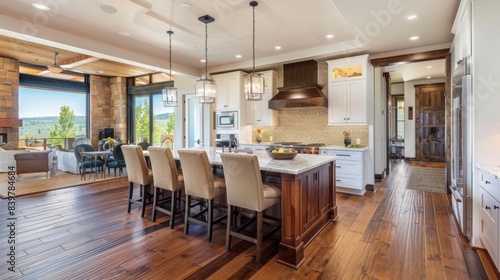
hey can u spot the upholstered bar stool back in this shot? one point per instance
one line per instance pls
(138, 173)
(165, 176)
(200, 182)
(244, 189)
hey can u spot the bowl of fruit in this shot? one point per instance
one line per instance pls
(281, 152)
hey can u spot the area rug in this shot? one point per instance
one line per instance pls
(427, 179)
(36, 182)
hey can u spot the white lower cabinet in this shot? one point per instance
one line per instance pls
(350, 169)
(489, 227)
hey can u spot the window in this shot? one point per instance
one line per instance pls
(400, 118)
(150, 122)
(52, 109)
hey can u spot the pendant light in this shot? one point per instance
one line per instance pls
(169, 94)
(206, 88)
(254, 82)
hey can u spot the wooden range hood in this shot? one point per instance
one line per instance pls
(11, 122)
(301, 88)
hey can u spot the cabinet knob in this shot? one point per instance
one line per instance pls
(487, 182)
(487, 207)
(338, 180)
(495, 207)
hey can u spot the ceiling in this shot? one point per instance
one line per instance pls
(133, 41)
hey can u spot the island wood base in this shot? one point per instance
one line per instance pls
(307, 205)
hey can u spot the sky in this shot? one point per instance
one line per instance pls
(47, 103)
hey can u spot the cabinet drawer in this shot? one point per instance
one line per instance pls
(490, 184)
(347, 155)
(348, 167)
(349, 181)
(489, 224)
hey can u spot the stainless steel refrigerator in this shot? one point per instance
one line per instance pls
(461, 146)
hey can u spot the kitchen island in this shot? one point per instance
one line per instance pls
(307, 199)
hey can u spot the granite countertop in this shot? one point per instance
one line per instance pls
(301, 163)
(342, 148)
(492, 169)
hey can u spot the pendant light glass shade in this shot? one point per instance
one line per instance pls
(169, 94)
(169, 97)
(254, 86)
(254, 82)
(205, 88)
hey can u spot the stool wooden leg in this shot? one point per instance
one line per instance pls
(174, 208)
(130, 193)
(143, 206)
(210, 217)
(155, 201)
(260, 228)
(187, 214)
(228, 230)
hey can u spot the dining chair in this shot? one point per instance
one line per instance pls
(201, 183)
(138, 173)
(84, 162)
(244, 189)
(119, 160)
(166, 177)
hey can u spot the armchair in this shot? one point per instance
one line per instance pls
(33, 162)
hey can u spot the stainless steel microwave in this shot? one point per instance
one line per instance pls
(226, 120)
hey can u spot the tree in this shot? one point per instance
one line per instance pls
(141, 121)
(65, 126)
(171, 124)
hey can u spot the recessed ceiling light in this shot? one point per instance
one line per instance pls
(186, 6)
(415, 37)
(202, 60)
(41, 6)
(277, 48)
(108, 9)
(428, 77)
(412, 17)
(100, 72)
(124, 33)
(238, 56)
(429, 67)
(329, 36)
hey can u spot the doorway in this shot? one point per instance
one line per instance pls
(430, 122)
(193, 121)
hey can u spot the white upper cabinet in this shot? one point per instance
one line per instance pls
(462, 28)
(230, 91)
(258, 112)
(347, 90)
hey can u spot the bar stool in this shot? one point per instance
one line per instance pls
(200, 182)
(245, 189)
(138, 173)
(166, 177)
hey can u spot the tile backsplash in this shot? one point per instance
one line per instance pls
(309, 125)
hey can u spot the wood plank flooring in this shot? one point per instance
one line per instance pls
(85, 232)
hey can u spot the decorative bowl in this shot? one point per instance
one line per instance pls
(288, 155)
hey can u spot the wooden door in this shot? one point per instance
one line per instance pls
(430, 122)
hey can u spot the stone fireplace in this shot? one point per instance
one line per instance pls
(9, 100)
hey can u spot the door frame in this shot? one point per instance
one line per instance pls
(418, 57)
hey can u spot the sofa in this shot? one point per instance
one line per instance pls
(33, 162)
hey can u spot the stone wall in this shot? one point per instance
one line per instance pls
(100, 106)
(119, 107)
(9, 96)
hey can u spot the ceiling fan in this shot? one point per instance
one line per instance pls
(55, 68)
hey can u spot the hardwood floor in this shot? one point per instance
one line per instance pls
(85, 233)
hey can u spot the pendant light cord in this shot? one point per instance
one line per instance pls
(253, 43)
(206, 51)
(170, 51)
